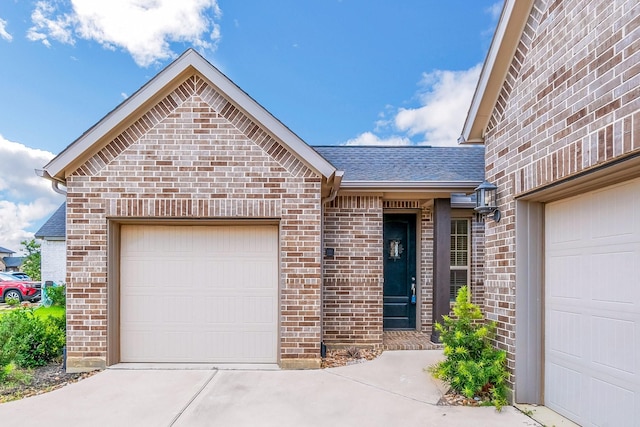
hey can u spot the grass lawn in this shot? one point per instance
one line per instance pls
(42, 312)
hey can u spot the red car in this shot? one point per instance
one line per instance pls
(14, 288)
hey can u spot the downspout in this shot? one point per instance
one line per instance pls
(335, 180)
(55, 183)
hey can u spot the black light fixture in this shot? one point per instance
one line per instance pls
(486, 196)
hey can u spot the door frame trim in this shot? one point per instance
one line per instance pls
(530, 268)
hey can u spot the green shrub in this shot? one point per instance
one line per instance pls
(11, 376)
(472, 367)
(12, 302)
(29, 341)
(58, 295)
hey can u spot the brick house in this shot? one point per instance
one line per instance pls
(199, 228)
(8, 262)
(4, 252)
(558, 111)
(53, 249)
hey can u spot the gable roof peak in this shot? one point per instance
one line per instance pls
(188, 63)
(506, 38)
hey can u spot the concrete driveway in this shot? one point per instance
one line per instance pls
(394, 389)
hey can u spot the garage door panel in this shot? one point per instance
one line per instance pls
(569, 382)
(568, 326)
(570, 269)
(620, 264)
(592, 306)
(199, 294)
(614, 335)
(602, 412)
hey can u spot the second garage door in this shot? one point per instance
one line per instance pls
(592, 306)
(199, 294)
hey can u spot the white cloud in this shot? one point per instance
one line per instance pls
(44, 27)
(368, 138)
(3, 31)
(445, 103)
(25, 199)
(144, 28)
(444, 99)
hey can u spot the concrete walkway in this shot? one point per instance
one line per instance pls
(393, 389)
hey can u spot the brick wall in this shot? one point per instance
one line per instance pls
(426, 270)
(193, 155)
(353, 277)
(570, 103)
(352, 293)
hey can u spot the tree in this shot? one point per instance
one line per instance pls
(31, 264)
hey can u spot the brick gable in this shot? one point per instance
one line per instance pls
(193, 155)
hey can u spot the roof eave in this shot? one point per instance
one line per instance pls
(494, 70)
(404, 186)
(188, 61)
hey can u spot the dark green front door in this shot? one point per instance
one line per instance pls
(399, 239)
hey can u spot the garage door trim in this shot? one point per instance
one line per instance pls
(113, 274)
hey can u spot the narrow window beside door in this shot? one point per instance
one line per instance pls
(459, 256)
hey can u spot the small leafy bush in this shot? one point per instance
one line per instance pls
(11, 376)
(12, 302)
(473, 367)
(29, 341)
(58, 295)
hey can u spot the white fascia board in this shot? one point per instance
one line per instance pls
(189, 59)
(487, 69)
(86, 141)
(494, 70)
(408, 185)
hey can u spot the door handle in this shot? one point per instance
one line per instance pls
(413, 290)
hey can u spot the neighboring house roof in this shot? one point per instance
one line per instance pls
(407, 166)
(494, 71)
(187, 64)
(55, 227)
(6, 251)
(13, 261)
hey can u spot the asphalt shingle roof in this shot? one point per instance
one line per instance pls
(56, 225)
(13, 261)
(409, 164)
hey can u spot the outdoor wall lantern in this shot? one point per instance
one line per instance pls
(486, 194)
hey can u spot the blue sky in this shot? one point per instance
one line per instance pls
(334, 71)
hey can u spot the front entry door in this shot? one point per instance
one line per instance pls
(399, 239)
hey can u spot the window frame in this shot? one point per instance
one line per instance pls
(453, 291)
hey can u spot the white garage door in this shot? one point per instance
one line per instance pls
(592, 306)
(199, 294)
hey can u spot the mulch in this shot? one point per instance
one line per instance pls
(44, 379)
(454, 399)
(348, 356)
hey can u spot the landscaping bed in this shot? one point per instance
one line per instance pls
(348, 356)
(43, 379)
